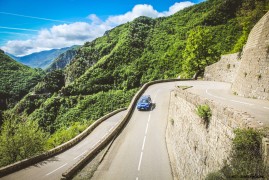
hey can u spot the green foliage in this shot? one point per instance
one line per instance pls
(20, 139)
(65, 134)
(246, 159)
(16, 80)
(52, 82)
(216, 176)
(61, 112)
(204, 112)
(199, 52)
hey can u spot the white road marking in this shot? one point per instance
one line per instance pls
(147, 128)
(230, 100)
(141, 157)
(144, 143)
(266, 107)
(80, 155)
(242, 102)
(218, 97)
(57, 169)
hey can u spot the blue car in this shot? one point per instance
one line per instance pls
(144, 103)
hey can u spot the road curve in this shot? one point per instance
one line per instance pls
(53, 168)
(140, 150)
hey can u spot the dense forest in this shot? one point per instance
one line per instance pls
(105, 73)
(16, 81)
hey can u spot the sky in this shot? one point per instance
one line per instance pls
(28, 26)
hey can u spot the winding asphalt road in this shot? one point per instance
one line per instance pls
(140, 151)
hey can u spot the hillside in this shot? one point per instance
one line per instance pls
(40, 59)
(106, 73)
(16, 80)
(63, 59)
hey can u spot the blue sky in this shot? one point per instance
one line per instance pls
(29, 26)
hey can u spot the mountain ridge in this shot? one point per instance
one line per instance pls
(40, 59)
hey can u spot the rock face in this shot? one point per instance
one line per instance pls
(252, 79)
(224, 70)
(63, 60)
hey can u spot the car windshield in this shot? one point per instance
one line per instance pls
(144, 101)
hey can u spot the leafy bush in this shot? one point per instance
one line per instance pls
(204, 112)
(65, 134)
(247, 154)
(20, 139)
(216, 176)
(246, 157)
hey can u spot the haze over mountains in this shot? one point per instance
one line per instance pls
(41, 59)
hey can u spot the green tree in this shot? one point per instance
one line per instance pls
(20, 139)
(199, 52)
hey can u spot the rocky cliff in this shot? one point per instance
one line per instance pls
(63, 60)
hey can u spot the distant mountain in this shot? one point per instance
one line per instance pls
(40, 59)
(63, 59)
(16, 80)
(12, 56)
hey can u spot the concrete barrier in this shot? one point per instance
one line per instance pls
(28, 162)
(92, 153)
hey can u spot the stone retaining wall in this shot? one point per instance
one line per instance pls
(225, 70)
(194, 149)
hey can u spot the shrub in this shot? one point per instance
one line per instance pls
(204, 112)
(246, 160)
(216, 176)
(246, 155)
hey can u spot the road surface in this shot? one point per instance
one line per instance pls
(140, 150)
(54, 167)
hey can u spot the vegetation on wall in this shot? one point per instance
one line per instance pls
(204, 112)
(246, 157)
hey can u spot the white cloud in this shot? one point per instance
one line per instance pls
(79, 32)
(95, 19)
(176, 7)
(56, 37)
(138, 10)
(146, 10)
